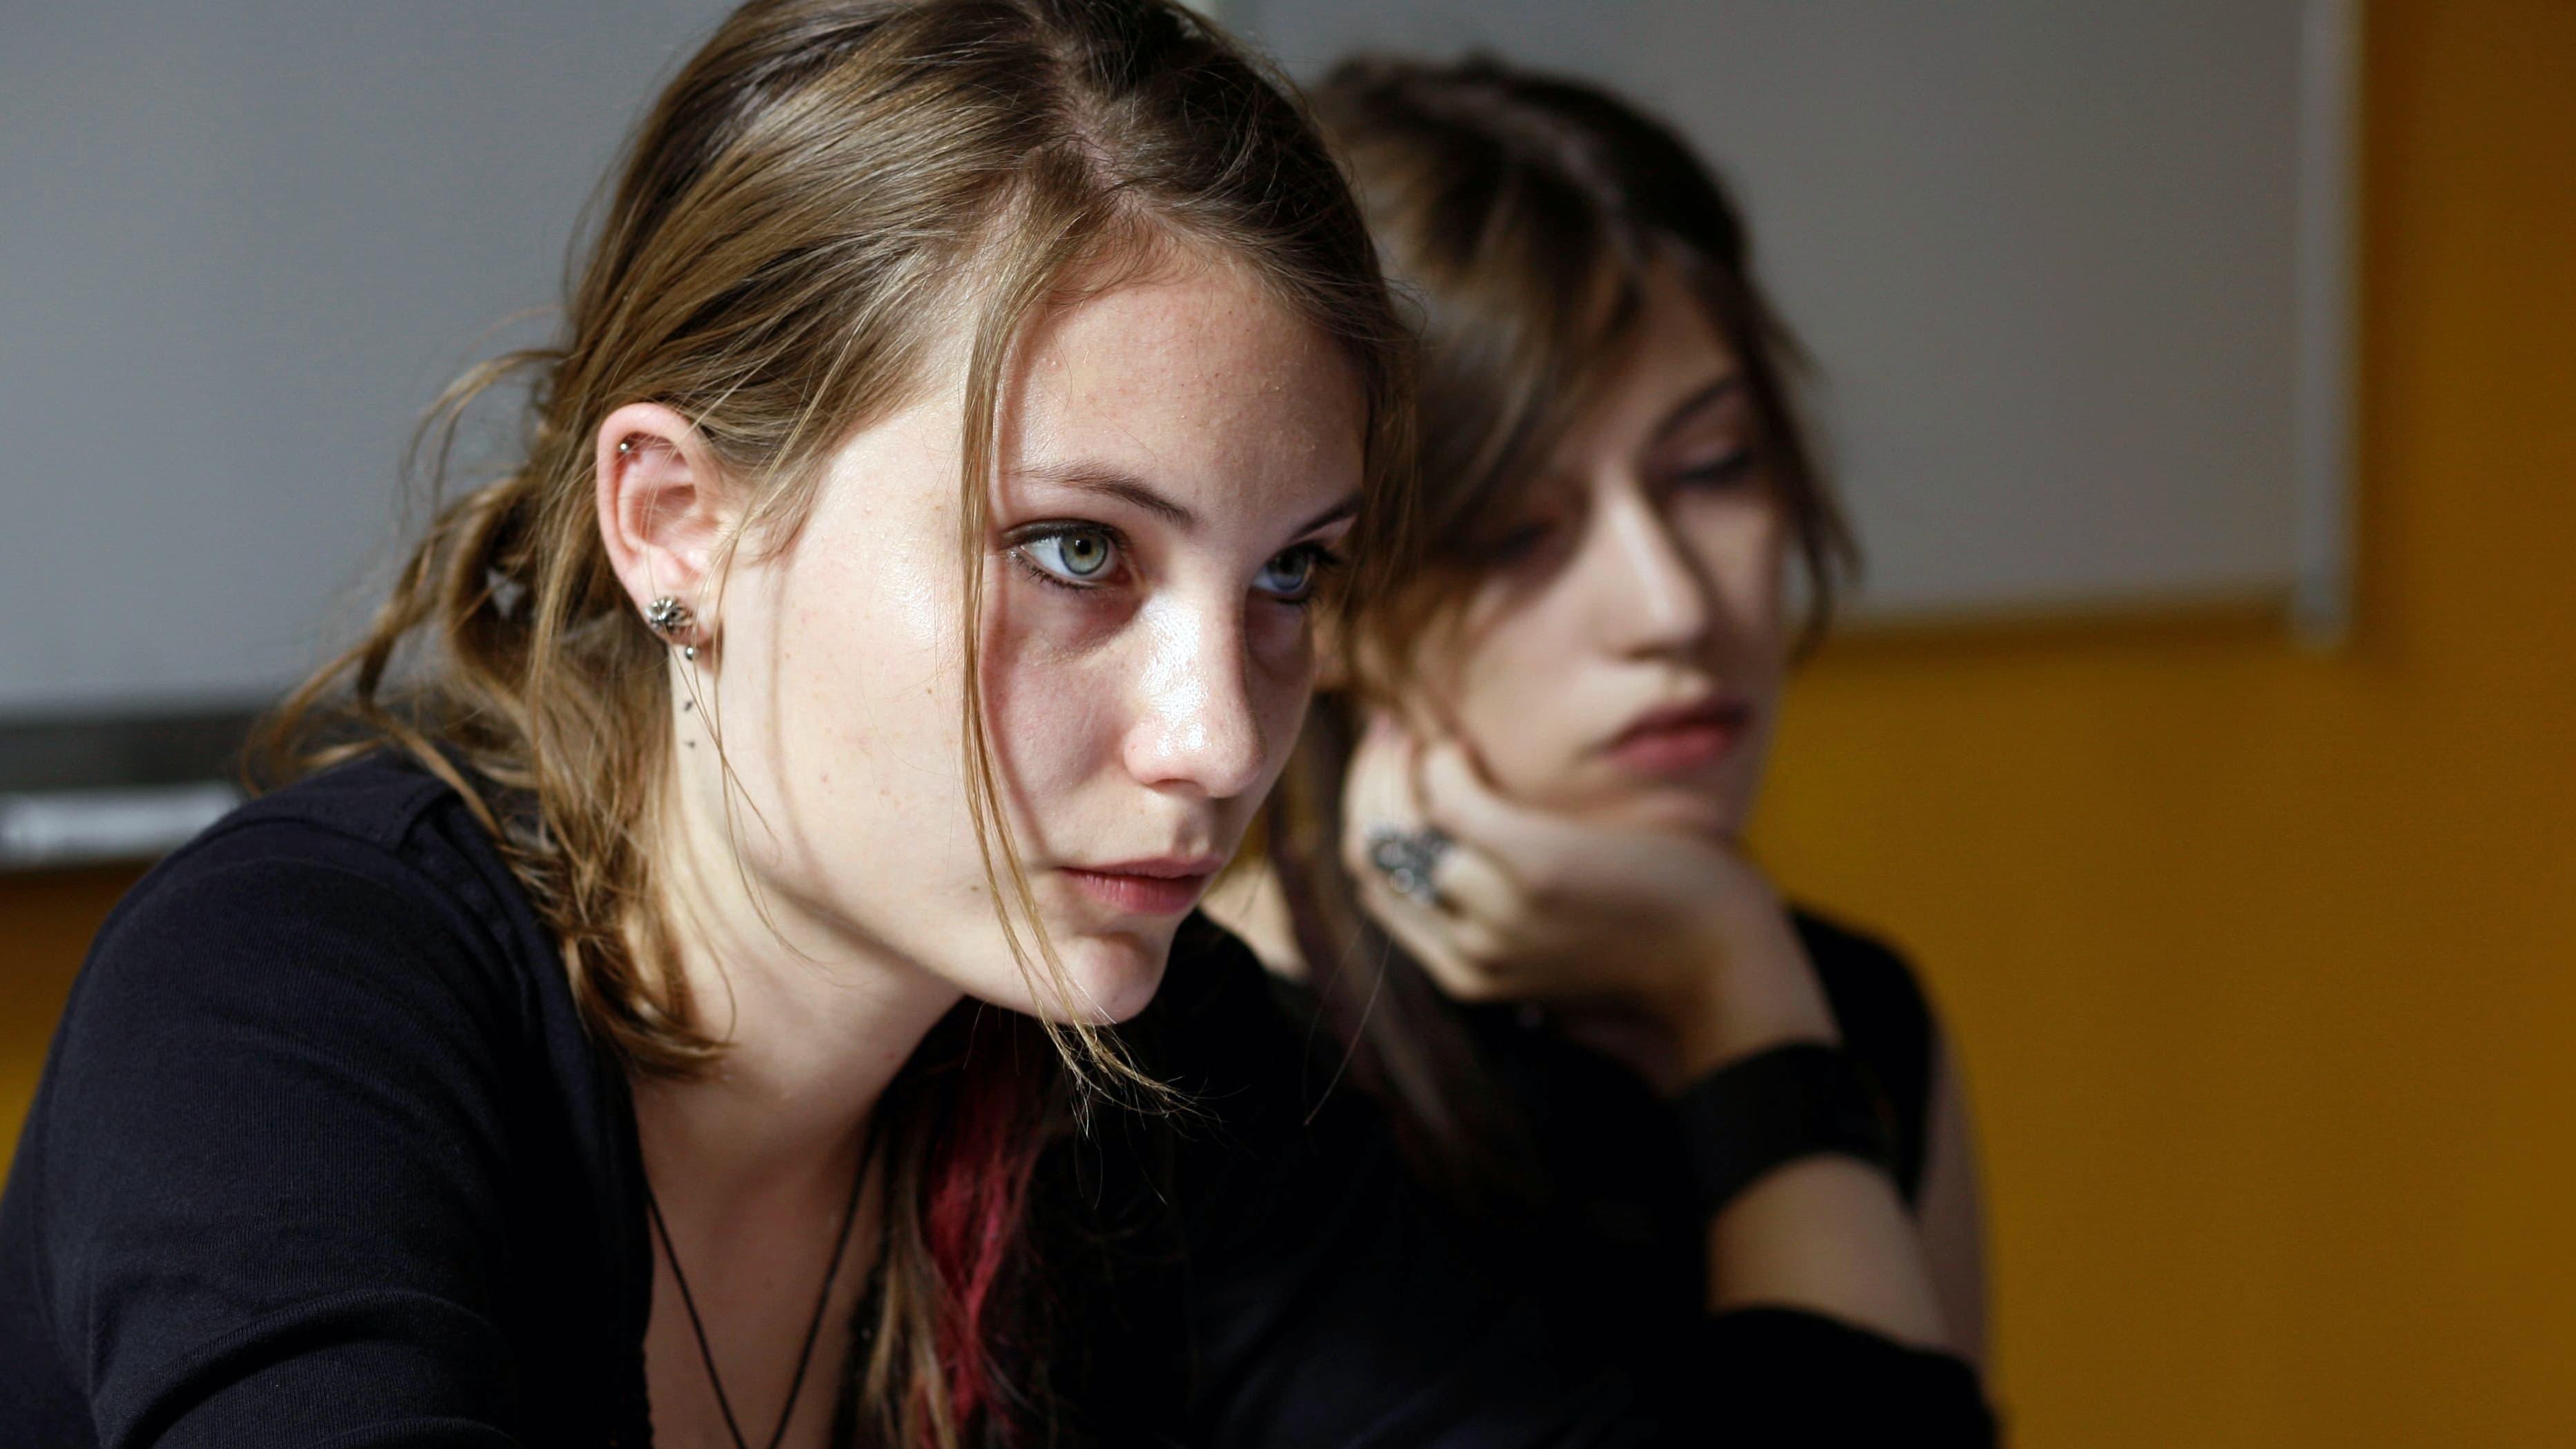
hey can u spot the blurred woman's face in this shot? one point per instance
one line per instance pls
(1179, 458)
(1622, 658)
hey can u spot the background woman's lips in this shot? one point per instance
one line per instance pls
(1682, 739)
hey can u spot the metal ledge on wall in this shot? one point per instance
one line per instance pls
(79, 791)
(49, 829)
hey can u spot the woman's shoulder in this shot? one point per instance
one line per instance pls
(1858, 966)
(1887, 1021)
(373, 874)
(335, 951)
(305, 1063)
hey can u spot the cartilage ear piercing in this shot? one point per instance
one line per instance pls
(626, 445)
(670, 618)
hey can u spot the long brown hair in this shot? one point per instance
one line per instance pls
(822, 193)
(1525, 214)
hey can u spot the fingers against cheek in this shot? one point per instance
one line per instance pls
(1470, 931)
(1415, 927)
(1465, 941)
(1522, 842)
(1443, 947)
(1380, 791)
(1473, 888)
(1377, 795)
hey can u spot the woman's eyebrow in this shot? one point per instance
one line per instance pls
(1127, 487)
(1698, 402)
(1349, 507)
(1093, 478)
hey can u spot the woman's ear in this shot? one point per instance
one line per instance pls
(664, 513)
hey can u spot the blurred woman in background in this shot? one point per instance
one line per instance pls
(1603, 1032)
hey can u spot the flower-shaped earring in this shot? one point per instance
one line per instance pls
(672, 620)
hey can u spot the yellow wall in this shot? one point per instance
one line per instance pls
(45, 924)
(2265, 965)
(2260, 963)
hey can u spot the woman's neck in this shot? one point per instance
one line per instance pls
(768, 1231)
(814, 1024)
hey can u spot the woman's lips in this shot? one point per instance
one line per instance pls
(1681, 738)
(1145, 887)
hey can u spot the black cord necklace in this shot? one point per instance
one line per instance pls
(822, 1301)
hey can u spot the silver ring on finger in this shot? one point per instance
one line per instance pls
(1409, 859)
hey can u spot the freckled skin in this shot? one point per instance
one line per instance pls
(1652, 587)
(1139, 719)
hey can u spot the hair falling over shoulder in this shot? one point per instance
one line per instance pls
(825, 193)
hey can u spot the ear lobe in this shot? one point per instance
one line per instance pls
(664, 513)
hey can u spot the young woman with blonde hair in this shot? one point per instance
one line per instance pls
(906, 596)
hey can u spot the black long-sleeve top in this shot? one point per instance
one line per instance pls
(1611, 1240)
(322, 1156)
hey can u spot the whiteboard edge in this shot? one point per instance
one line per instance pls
(2322, 383)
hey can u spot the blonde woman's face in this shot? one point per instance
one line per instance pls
(1622, 659)
(1180, 460)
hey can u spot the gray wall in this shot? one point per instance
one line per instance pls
(2046, 254)
(2043, 252)
(244, 246)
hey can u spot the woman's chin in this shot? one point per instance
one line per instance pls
(1717, 822)
(1112, 974)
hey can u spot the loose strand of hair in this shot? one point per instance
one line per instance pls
(1030, 276)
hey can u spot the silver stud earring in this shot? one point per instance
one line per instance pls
(625, 445)
(670, 618)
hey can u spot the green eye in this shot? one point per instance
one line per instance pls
(1078, 555)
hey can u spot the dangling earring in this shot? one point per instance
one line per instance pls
(670, 618)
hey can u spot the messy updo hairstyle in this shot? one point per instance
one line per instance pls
(825, 193)
(1524, 215)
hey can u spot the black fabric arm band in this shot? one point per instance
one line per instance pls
(1805, 1099)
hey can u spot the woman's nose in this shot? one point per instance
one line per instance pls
(1652, 595)
(1196, 722)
